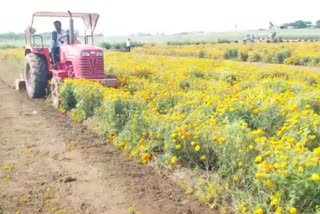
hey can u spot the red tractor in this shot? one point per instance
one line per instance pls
(79, 60)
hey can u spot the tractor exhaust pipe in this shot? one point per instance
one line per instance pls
(71, 29)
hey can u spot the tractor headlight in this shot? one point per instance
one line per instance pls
(100, 53)
(85, 54)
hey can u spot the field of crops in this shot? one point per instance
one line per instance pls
(243, 138)
(302, 53)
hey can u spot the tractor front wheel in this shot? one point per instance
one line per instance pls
(56, 82)
(36, 75)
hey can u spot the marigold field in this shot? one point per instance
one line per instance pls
(300, 53)
(243, 138)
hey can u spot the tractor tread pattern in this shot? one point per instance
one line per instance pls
(36, 88)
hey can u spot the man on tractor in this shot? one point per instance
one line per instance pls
(57, 41)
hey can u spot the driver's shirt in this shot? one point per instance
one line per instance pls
(59, 35)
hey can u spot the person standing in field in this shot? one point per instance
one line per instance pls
(128, 45)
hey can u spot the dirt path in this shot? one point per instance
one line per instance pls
(50, 164)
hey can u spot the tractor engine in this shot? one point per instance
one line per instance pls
(91, 65)
(83, 62)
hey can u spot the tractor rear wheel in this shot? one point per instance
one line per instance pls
(56, 82)
(36, 75)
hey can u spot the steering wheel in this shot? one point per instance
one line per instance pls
(59, 40)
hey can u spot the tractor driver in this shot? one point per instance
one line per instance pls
(57, 41)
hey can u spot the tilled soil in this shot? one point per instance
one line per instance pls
(49, 164)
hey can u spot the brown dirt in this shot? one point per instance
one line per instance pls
(60, 165)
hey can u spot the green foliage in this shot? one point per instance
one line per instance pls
(300, 24)
(202, 54)
(255, 57)
(196, 74)
(67, 97)
(231, 54)
(280, 57)
(105, 45)
(244, 55)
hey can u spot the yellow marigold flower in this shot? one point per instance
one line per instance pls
(235, 178)
(261, 175)
(211, 196)
(307, 106)
(259, 211)
(307, 164)
(178, 147)
(251, 147)
(133, 128)
(293, 211)
(276, 165)
(269, 183)
(279, 210)
(258, 159)
(203, 157)
(166, 146)
(173, 135)
(240, 164)
(313, 137)
(244, 124)
(174, 159)
(189, 192)
(301, 169)
(315, 177)
(268, 153)
(193, 143)
(244, 209)
(275, 202)
(222, 139)
(197, 148)
(256, 111)
(159, 136)
(240, 151)
(317, 151)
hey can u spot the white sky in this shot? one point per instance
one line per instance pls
(124, 17)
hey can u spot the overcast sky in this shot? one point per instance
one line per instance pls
(124, 17)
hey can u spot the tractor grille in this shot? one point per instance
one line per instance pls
(91, 66)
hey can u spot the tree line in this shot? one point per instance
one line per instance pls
(300, 24)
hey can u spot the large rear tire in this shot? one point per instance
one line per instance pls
(56, 82)
(36, 75)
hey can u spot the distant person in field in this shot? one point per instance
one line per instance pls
(128, 45)
(57, 41)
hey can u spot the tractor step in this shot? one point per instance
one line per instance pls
(20, 84)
